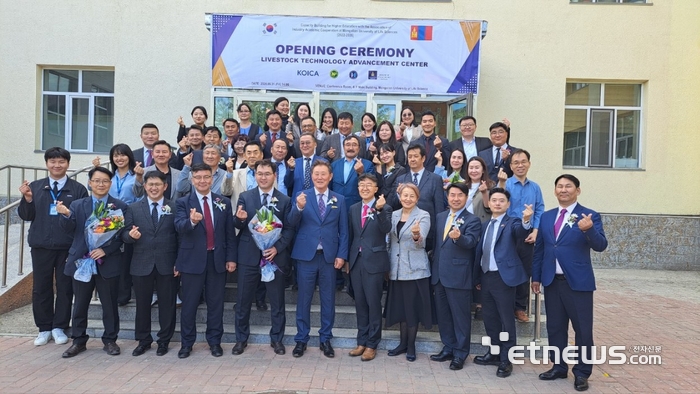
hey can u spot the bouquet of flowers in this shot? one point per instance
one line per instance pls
(266, 229)
(102, 225)
(454, 178)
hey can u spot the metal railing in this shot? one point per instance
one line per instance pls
(6, 172)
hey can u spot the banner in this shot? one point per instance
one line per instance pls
(345, 55)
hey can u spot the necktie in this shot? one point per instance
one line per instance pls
(560, 221)
(150, 158)
(277, 172)
(321, 206)
(154, 214)
(497, 161)
(427, 146)
(448, 225)
(208, 224)
(274, 137)
(55, 188)
(486, 258)
(415, 178)
(264, 200)
(365, 207)
(307, 173)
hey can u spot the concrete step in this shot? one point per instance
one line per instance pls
(290, 296)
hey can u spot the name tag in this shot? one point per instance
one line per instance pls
(52, 210)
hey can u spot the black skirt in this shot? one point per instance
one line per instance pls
(409, 301)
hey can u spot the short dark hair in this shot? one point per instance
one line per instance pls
(242, 137)
(149, 126)
(278, 101)
(154, 174)
(461, 186)
(199, 107)
(308, 117)
(570, 177)
(468, 117)
(195, 127)
(351, 137)
(252, 143)
(501, 125)
(429, 113)
(266, 163)
(368, 176)
(163, 142)
(345, 115)
(200, 167)
(212, 128)
(231, 120)
(313, 137)
(56, 153)
(319, 163)
(103, 170)
(273, 112)
(499, 190)
(521, 151)
(387, 147)
(419, 147)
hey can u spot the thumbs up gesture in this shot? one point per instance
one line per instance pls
(381, 201)
(359, 166)
(195, 217)
(229, 165)
(134, 232)
(527, 212)
(241, 214)
(585, 222)
(301, 201)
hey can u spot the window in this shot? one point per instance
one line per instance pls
(602, 123)
(78, 110)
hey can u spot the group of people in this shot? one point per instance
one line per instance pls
(447, 224)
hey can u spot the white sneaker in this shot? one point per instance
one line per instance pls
(59, 336)
(178, 301)
(43, 338)
(154, 300)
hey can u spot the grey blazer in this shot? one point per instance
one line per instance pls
(139, 192)
(409, 261)
(480, 211)
(157, 245)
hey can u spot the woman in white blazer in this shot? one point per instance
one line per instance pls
(408, 299)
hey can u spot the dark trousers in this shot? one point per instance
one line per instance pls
(497, 307)
(453, 307)
(166, 289)
(368, 290)
(522, 291)
(248, 280)
(125, 280)
(261, 290)
(213, 284)
(47, 264)
(107, 289)
(564, 305)
(308, 273)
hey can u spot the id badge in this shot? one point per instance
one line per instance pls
(52, 210)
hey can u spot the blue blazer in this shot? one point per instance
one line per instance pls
(348, 187)
(505, 251)
(453, 260)
(491, 168)
(331, 232)
(294, 179)
(572, 249)
(267, 148)
(80, 212)
(192, 252)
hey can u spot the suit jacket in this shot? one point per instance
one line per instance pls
(348, 187)
(267, 153)
(333, 141)
(487, 155)
(295, 177)
(432, 195)
(138, 156)
(331, 231)
(371, 238)
(505, 251)
(430, 160)
(453, 260)
(248, 252)
(80, 212)
(409, 260)
(480, 210)
(572, 249)
(157, 245)
(237, 184)
(481, 144)
(386, 183)
(139, 191)
(192, 251)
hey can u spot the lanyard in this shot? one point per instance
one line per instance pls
(120, 185)
(55, 196)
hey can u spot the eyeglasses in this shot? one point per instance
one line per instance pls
(264, 174)
(202, 177)
(366, 186)
(406, 115)
(303, 143)
(101, 181)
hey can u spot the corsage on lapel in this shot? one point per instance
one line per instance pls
(370, 214)
(220, 204)
(273, 203)
(332, 202)
(165, 210)
(571, 220)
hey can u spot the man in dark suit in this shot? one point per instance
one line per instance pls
(347, 171)
(432, 196)
(232, 130)
(267, 138)
(300, 171)
(107, 278)
(150, 226)
(562, 264)
(192, 142)
(149, 135)
(370, 222)
(500, 272)
(320, 248)
(333, 147)
(207, 250)
(452, 275)
(162, 152)
(281, 163)
(431, 141)
(497, 156)
(249, 257)
(469, 144)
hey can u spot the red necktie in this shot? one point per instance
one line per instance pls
(365, 207)
(208, 224)
(274, 137)
(560, 221)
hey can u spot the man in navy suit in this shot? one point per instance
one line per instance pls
(149, 135)
(321, 247)
(207, 250)
(347, 171)
(500, 272)
(562, 264)
(267, 138)
(299, 174)
(370, 222)
(452, 275)
(249, 257)
(431, 141)
(107, 278)
(469, 144)
(498, 155)
(333, 147)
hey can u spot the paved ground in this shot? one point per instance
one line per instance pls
(632, 308)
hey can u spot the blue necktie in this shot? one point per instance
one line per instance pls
(486, 258)
(307, 173)
(321, 206)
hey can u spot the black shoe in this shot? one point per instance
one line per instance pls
(162, 349)
(478, 315)
(487, 359)
(553, 374)
(457, 364)
(295, 287)
(327, 349)
(581, 383)
(397, 351)
(410, 357)
(140, 349)
(216, 350)
(112, 348)
(261, 305)
(444, 355)
(504, 369)
(299, 349)
(74, 350)
(184, 352)
(239, 347)
(123, 303)
(279, 348)
(340, 287)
